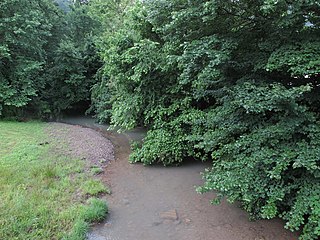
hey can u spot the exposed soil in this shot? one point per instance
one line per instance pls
(78, 141)
(157, 203)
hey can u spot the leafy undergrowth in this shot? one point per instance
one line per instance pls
(41, 194)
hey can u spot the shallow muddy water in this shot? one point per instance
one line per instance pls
(158, 203)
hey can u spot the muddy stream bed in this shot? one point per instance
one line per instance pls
(158, 203)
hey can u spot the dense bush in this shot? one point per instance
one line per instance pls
(48, 59)
(231, 81)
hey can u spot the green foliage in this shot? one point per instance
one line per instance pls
(72, 64)
(161, 146)
(232, 81)
(101, 101)
(24, 29)
(48, 59)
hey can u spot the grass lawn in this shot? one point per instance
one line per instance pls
(43, 195)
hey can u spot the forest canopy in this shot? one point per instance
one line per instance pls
(232, 82)
(47, 57)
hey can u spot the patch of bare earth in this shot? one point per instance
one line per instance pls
(80, 142)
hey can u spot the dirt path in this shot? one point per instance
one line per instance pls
(157, 203)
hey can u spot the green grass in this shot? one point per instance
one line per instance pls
(94, 187)
(96, 170)
(41, 192)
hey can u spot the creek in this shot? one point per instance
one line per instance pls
(161, 203)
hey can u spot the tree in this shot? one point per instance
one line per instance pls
(48, 57)
(24, 30)
(74, 61)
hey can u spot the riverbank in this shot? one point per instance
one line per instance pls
(47, 188)
(155, 202)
